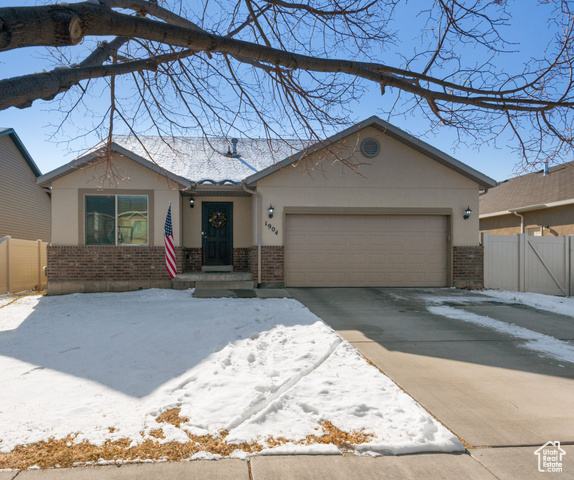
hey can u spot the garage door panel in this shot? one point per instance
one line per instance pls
(365, 250)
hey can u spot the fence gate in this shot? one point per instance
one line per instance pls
(22, 265)
(527, 263)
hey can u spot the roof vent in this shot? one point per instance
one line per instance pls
(370, 147)
(235, 141)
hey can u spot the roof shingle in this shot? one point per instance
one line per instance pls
(530, 189)
(199, 159)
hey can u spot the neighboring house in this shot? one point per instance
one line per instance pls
(397, 220)
(539, 203)
(25, 210)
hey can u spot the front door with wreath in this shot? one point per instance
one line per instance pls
(217, 233)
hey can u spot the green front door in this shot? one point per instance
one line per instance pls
(217, 232)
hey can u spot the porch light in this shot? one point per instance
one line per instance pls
(271, 210)
(191, 202)
(467, 213)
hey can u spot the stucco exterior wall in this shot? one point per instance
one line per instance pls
(25, 207)
(397, 178)
(559, 220)
(242, 221)
(69, 191)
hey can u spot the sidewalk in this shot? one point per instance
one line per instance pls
(513, 463)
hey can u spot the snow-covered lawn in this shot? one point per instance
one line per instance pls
(104, 367)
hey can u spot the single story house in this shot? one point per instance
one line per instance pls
(291, 214)
(539, 203)
(25, 209)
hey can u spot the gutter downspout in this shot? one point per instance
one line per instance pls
(257, 227)
(521, 220)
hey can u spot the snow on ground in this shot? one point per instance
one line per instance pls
(551, 303)
(5, 299)
(107, 365)
(544, 344)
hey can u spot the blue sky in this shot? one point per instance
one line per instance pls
(50, 151)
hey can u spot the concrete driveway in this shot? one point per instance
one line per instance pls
(480, 383)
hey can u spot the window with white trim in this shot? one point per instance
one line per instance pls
(534, 230)
(117, 220)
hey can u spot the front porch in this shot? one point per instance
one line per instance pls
(214, 281)
(244, 260)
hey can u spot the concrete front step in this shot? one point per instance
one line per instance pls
(228, 285)
(213, 280)
(215, 276)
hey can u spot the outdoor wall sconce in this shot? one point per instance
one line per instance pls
(191, 202)
(271, 210)
(467, 213)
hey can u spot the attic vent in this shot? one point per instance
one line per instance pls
(370, 147)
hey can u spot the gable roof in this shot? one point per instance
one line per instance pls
(21, 148)
(193, 160)
(393, 132)
(531, 191)
(204, 160)
(96, 155)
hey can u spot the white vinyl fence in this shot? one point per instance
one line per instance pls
(526, 263)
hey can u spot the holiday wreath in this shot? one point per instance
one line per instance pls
(217, 220)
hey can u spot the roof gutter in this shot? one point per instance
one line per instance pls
(521, 220)
(258, 202)
(527, 209)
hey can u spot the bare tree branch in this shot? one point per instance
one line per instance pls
(278, 62)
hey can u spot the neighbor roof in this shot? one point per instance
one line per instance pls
(21, 148)
(530, 190)
(393, 132)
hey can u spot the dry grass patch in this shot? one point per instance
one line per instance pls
(172, 416)
(332, 435)
(66, 453)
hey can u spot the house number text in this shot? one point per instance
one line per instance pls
(272, 228)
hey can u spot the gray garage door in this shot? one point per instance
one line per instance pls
(366, 251)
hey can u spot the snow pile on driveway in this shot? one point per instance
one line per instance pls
(560, 305)
(104, 367)
(545, 345)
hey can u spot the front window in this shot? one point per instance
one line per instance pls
(116, 220)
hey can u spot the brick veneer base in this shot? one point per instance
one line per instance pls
(468, 267)
(272, 266)
(245, 260)
(107, 268)
(193, 260)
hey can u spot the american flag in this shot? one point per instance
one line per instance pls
(169, 250)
